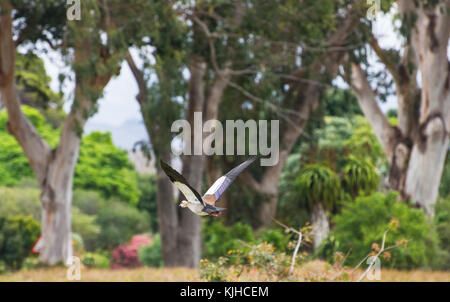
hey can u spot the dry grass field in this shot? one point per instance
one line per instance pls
(58, 274)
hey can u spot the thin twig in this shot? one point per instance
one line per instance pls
(297, 247)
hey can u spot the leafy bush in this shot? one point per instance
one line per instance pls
(126, 256)
(277, 238)
(219, 239)
(84, 225)
(442, 221)
(3, 268)
(32, 262)
(17, 236)
(151, 255)
(106, 169)
(270, 264)
(118, 221)
(147, 200)
(364, 221)
(95, 260)
(23, 201)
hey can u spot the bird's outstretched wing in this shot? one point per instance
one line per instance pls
(181, 183)
(220, 185)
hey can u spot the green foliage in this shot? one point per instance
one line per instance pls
(359, 176)
(442, 221)
(23, 201)
(277, 238)
(319, 184)
(32, 80)
(95, 260)
(84, 225)
(147, 200)
(219, 239)
(101, 165)
(105, 168)
(444, 187)
(340, 103)
(13, 164)
(32, 262)
(214, 271)
(363, 223)
(270, 264)
(118, 221)
(151, 255)
(364, 144)
(289, 205)
(17, 236)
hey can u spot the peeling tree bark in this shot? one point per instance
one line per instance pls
(417, 147)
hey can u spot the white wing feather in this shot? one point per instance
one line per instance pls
(190, 196)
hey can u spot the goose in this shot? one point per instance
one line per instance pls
(205, 205)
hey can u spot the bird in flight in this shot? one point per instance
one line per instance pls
(205, 205)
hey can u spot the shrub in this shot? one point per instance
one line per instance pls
(3, 268)
(84, 225)
(147, 201)
(95, 260)
(105, 168)
(270, 264)
(219, 239)
(151, 255)
(24, 201)
(118, 221)
(32, 262)
(17, 236)
(277, 238)
(126, 256)
(364, 221)
(442, 221)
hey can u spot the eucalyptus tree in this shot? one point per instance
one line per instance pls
(290, 64)
(417, 146)
(94, 46)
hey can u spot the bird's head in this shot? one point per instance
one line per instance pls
(184, 204)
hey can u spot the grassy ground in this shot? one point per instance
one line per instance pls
(181, 274)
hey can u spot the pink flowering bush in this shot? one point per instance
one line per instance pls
(126, 256)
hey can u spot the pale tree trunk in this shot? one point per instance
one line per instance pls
(189, 224)
(53, 169)
(181, 229)
(416, 148)
(320, 225)
(167, 216)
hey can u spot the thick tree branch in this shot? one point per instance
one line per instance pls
(35, 148)
(386, 134)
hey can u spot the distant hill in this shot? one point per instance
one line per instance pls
(125, 135)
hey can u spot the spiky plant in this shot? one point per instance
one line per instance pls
(359, 175)
(319, 184)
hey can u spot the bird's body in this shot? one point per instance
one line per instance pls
(204, 205)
